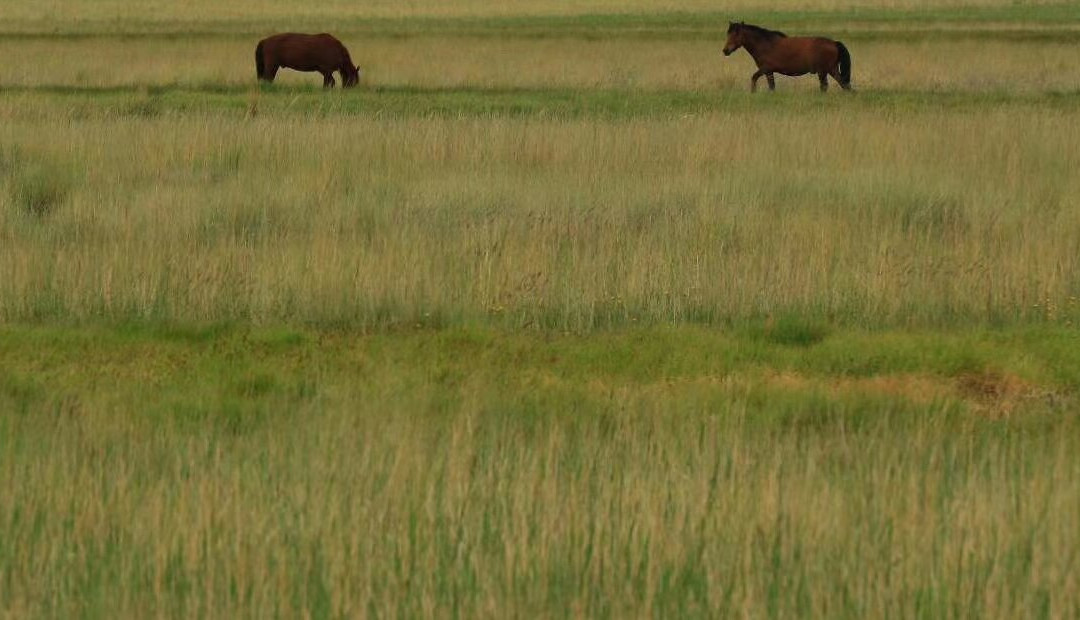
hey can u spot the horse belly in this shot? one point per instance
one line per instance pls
(791, 61)
(300, 66)
(795, 67)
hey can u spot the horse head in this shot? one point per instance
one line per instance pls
(352, 78)
(734, 38)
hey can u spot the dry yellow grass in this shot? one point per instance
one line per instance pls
(1027, 67)
(852, 213)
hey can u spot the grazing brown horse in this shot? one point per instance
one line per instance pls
(775, 52)
(305, 52)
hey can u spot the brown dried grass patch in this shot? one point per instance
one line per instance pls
(998, 394)
(920, 389)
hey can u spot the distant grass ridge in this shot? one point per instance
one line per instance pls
(1055, 20)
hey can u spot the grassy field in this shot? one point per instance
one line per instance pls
(551, 317)
(479, 472)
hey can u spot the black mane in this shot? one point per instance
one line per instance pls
(757, 30)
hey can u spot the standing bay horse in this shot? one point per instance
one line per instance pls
(305, 52)
(775, 52)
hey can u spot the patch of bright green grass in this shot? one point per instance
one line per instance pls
(257, 363)
(549, 103)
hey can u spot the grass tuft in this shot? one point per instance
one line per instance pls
(795, 331)
(37, 188)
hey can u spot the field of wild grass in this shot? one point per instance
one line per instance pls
(862, 213)
(551, 317)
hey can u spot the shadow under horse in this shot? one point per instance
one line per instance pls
(775, 52)
(305, 52)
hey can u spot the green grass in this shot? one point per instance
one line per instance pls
(225, 470)
(547, 103)
(1045, 356)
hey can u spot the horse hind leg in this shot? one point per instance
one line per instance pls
(771, 80)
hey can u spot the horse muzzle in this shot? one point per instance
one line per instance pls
(728, 52)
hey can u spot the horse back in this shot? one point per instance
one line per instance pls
(304, 52)
(805, 54)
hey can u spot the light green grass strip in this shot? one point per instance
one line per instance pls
(37, 102)
(864, 22)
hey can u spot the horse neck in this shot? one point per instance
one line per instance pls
(346, 62)
(757, 44)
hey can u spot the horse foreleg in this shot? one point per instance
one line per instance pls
(823, 78)
(754, 78)
(328, 80)
(771, 81)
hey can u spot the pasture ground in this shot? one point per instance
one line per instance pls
(550, 318)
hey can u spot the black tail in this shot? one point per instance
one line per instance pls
(260, 69)
(845, 63)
